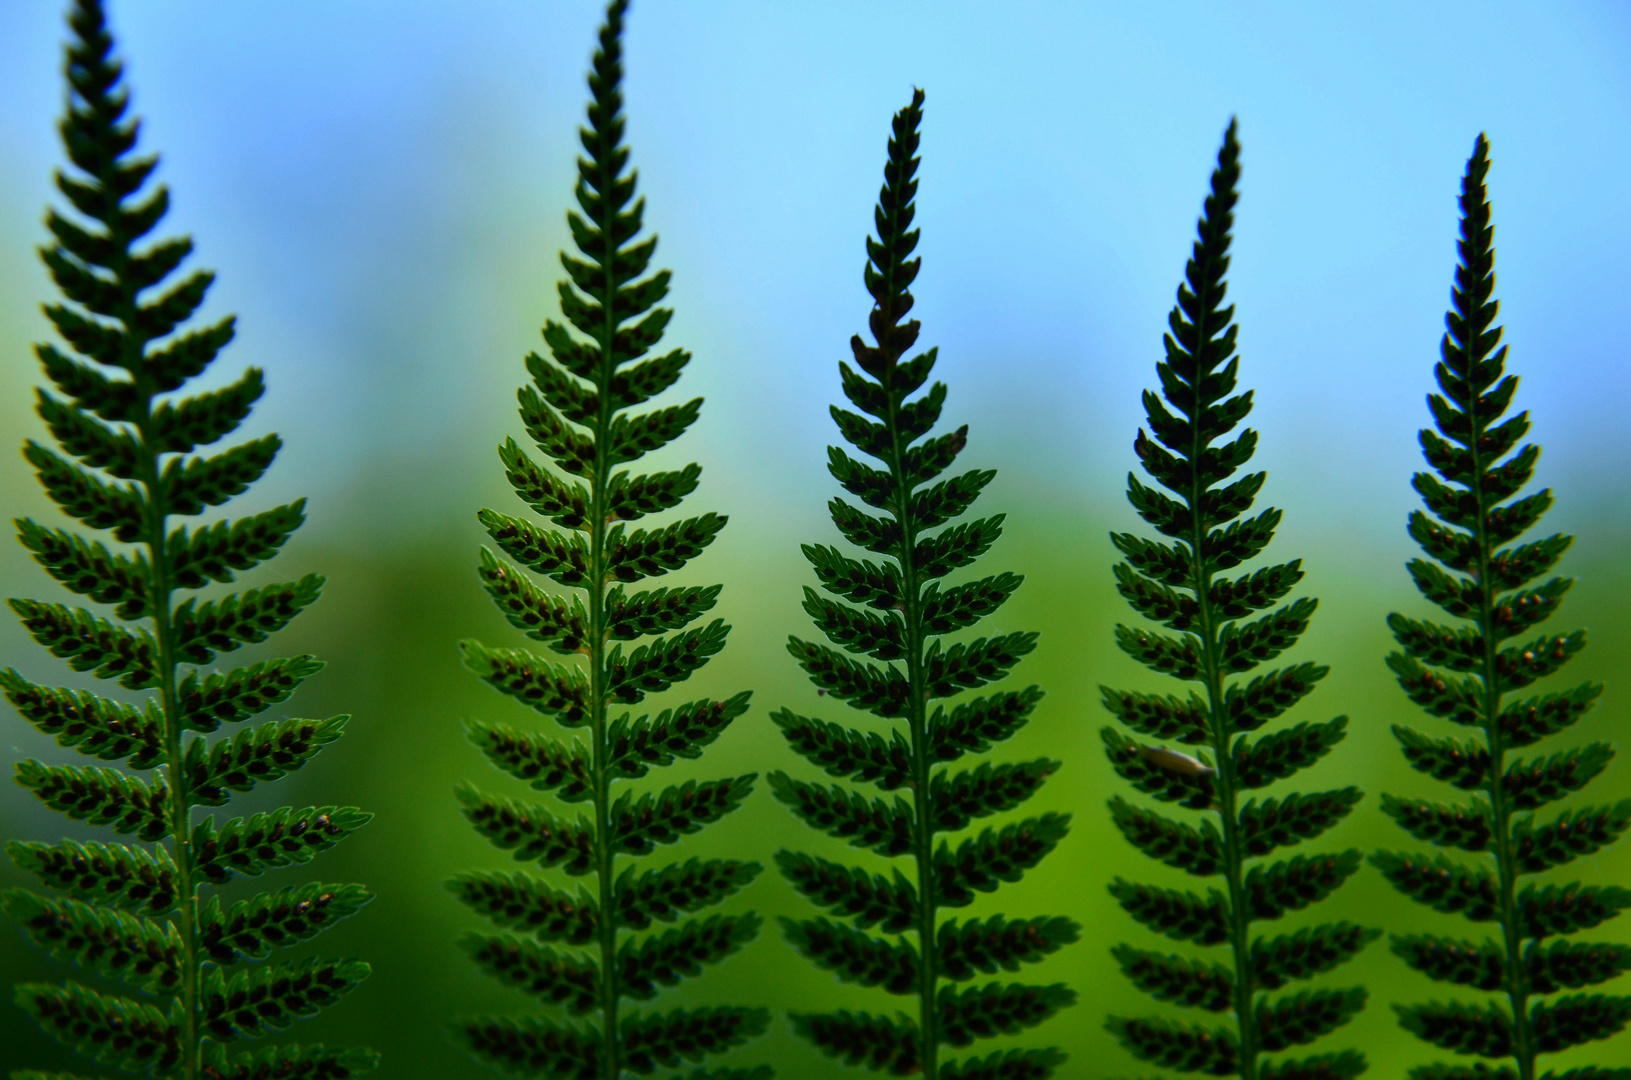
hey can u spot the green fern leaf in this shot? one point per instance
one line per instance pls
(596, 950)
(687, 1035)
(555, 978)
(251, 1002)
(291, 1060)
(526, 1046)
(680, 953)
(101, 797)
(95, 726)
(248, 847)
(1305, 1016)
(109, 1030)
(1481, 965)
(875, 1042)
(1184, 1047)
(1479, 465)
(218, 699)
(1191, 983)
(853, 956)
(251, 929)
(678, 889)
(891, 904)
(908, 479)
(1310, 951)
(1180, 915)
(111, 875)
(1221, 627)
(145, 953)
(519, 902)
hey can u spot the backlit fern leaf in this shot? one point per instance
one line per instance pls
(1221, 625)
(907, 609)
(125, 463)
(1492, 587)
(585, 962)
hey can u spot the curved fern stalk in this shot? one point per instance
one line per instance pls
(1181, 586)
(905, 613)
(134, 912)
(1479, 575)
(576, 410)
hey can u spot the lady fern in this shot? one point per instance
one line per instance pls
(1179, 585)
(909, 612)
(591, 385)
(1490, 584)
(134, 913)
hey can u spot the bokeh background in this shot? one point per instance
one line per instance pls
(382, 187)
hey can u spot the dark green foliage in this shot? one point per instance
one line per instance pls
(138, 914)
(1492, 586)
(896, 668)
(1221, 626)
(582, 959)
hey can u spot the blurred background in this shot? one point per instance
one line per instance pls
(382, 187)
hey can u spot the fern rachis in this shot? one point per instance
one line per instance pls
(1180, 586)
(577, 412)
(1479, 574)
(135, 913)
(906, 611)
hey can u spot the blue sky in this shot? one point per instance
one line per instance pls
(382, 185)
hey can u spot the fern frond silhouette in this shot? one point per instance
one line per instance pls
(1181, 585)
(905, 612)
(573, 949)
(137, 913)
(1477, 573)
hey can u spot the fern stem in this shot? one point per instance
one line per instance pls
(917, 719)
(606, 157)
(1501, 806)
(180, 805)
(1224, 779)
(159, 590)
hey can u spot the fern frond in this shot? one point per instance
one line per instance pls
(597, 948)
(128, 458)
(886, 657)
(1492, 586)
(1221, 626)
